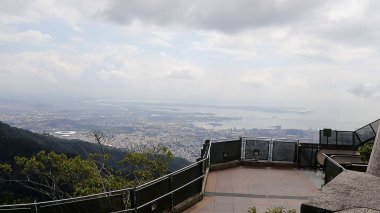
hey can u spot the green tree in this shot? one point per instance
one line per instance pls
(5, 170)
(57, 176)
(147, 163)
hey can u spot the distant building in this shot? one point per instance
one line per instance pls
(278, 127)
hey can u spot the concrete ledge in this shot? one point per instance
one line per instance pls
(225, 165)
(349, 191)
(275, 164)
(188, 203)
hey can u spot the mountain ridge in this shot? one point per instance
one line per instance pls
(20, 142)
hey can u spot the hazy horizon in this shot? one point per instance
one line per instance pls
(228, 116)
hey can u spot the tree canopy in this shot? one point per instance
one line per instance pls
(56, 176)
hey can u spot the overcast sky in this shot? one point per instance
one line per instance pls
(320, 56)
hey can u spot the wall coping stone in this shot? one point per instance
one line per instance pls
(349, 191)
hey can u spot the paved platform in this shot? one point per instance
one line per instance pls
(236, 189)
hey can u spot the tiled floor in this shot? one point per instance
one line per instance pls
(237, 189)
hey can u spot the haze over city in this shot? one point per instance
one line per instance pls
(317, 60)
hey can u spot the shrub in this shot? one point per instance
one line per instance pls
(365, 151)
(273, 210)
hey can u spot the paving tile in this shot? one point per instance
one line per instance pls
(245, 186)
(241, 209)
(261, 201)
(220, 199)
(209, 207)
(211, 183)
(242, 200)
(224, 207)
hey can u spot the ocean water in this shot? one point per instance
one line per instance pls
(229, 117)
(243, 118)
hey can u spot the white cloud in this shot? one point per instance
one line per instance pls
(347, 10)
(239, 47)
(72, 12)
(319, 55)
(30, 36)
(184, 72)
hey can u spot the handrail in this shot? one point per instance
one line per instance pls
(168, 175)
(71, 201)
(80, 198)
(221, 140)
(258, 138)
(333, 161)
(162, 196)
(331, 170)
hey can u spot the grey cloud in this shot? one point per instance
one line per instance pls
(225, 16)
(357, 34)
(365, 90)
(14, 7)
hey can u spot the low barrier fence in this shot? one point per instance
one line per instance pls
(332, 169)
(328, 137)
(271, 150)
(159, 195)
(102, 202)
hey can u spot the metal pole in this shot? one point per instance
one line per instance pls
(35, 207)
(172, 193)
(134, 200)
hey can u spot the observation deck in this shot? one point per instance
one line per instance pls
(231, 176)
(239, 188)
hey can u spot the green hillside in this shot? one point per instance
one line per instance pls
(20, 142)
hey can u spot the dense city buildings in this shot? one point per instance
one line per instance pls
(130, 124)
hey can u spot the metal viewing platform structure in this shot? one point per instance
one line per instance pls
(230, 176)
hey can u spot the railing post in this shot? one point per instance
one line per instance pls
(35, 207)
(201, 164)
(171, 192)
(270, 154)
(134, 200)
(242, 148)
(209, 154)
(296, 155)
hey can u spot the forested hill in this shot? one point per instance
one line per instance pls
(20, 142)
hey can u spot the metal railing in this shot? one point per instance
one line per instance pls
(367, 132)
(307, 153)
(159, 195)
(338, 138)
(350, 138)
(108, 201)
(271, 150)
(332, 168)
